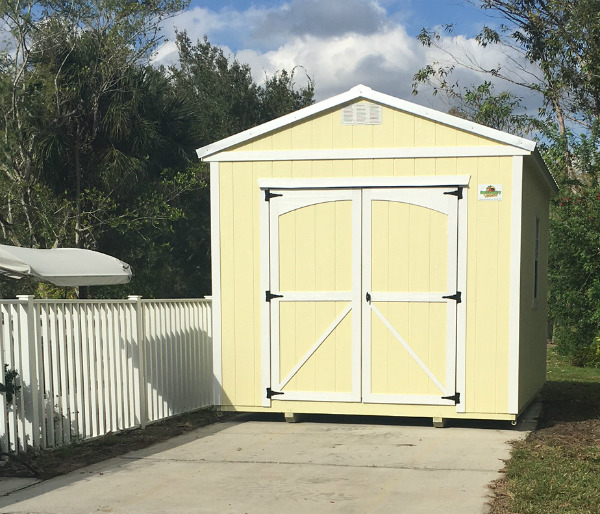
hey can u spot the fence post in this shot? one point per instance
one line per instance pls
(29, 377)
(141, 364)
(213, 365)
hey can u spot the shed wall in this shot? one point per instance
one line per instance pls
(533, 311)
(488, 257)
(487, 269)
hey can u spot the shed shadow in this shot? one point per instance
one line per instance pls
(570, 401)
(346, 419)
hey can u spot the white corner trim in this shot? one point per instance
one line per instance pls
(265, 311)
(367, 153)
(215, 243)
(515, 286)
(366, 93)
(361, 182)
(461, 308)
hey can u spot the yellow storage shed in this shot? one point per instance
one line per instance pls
(372, 256)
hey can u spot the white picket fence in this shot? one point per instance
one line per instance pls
(90, 367)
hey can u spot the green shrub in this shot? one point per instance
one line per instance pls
(574, 273)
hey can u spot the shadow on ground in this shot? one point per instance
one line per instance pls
(566, 401)
(380, 420)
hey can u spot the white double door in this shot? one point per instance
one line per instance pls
(363, 295)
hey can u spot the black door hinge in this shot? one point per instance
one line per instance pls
(368, 297)
(269, 296)
(271, 393)
(455, 398)
(269, 195)
(457, 193)
(457, 297)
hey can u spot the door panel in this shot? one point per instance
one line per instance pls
(409, 248)
(394, 369)
(315, 357)
(409, 265)
(315, 335)
(315, 245)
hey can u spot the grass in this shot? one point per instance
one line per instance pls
(557, 468)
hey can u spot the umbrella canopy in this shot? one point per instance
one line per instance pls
(63, 266)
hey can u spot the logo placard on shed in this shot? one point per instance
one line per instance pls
(489, 192)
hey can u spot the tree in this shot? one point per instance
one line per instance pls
(554, 49)
(96, 142)
(279, 96)
(226, 98)
(45, 92)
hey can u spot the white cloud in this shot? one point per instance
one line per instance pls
(384, 61)
(337, 51)
(323, 19)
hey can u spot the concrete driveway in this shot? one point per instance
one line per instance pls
(257, 464)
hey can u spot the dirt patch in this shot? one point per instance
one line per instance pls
(50, 463)
(570, 416)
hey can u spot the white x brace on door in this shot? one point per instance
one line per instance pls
(362, 295)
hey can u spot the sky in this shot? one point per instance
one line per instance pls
(338, 43)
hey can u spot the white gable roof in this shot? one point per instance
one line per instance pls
(367, 93)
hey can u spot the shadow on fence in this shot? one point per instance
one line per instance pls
(90, 367)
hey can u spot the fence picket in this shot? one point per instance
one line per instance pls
(86, 415)
(188, 356)
(78, 372)
(156, 360)
(118, 383)
(70, 374)
(12, 419)
(18, 400)
(65, 419)
(124, 364)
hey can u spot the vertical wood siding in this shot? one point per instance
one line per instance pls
(534, 314)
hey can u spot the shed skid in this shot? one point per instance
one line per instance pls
(400, 411)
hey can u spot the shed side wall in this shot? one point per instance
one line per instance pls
(534, 312)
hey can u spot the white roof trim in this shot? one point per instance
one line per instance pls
(360, 182)
(543, 169)
(367, 153)
(366, 93)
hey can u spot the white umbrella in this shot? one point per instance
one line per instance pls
(63, 266)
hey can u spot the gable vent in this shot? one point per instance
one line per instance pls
(362, 114)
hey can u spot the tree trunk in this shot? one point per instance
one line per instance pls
(78, 238)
